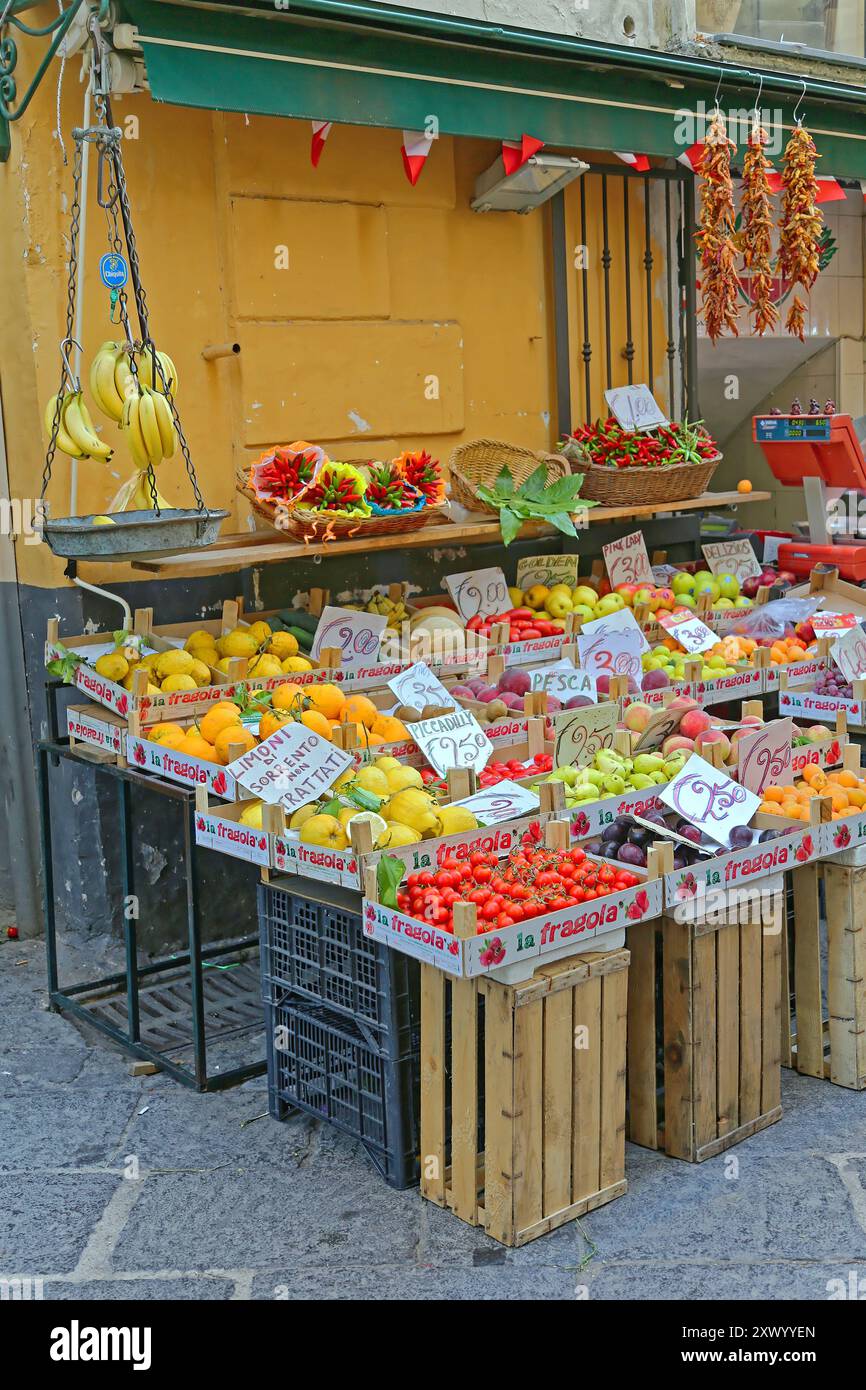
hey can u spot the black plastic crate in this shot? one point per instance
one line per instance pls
(329, 1066)
(315, 947)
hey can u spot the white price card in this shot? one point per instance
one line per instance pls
(581, 733)
(563, 679)
(419, 687)
(613, 644)
(635, 407)
(506, 801)
(691, 633)
(357, 635)
(547, 570)
(764, 758)
(709, 799)
(627, 562)
(732, 557)
(849, 653)
(824, 623)
(479, 593)
(453, 740)
(292, 767)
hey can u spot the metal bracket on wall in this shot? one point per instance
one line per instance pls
(58, 28)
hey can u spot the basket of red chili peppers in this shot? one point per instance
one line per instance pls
(670, 464)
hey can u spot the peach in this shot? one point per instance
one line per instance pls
(694, 722)
(637, 716)
(677, 742)
(714, 736)
(683, 702)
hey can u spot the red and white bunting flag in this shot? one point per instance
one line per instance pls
(692, 156)
(829, 189)
(515, 155)
(321, 131)
(862, 183)
(640, 162)
(416, 147)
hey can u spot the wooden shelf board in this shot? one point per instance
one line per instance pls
(239, 550)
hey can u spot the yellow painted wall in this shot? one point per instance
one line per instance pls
(387, 287)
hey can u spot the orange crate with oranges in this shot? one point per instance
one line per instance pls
(842, 790)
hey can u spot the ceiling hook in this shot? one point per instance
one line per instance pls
(758, 97)
(799, 119)
(718, 89)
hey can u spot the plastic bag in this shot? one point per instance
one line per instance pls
(773, 619)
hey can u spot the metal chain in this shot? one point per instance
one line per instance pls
(72, 283)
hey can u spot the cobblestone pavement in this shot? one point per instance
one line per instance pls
(117, 1187)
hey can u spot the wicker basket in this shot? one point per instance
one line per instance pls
(482, 460)
(620, 487)
(301, 524)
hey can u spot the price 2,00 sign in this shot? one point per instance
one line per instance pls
(479, 593)
(357, 635)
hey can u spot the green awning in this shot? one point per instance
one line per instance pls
(376, 65)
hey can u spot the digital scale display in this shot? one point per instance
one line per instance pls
(792, 429)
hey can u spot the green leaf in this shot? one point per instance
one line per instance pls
(504, 482)
(563, 522)
(389, 875)
(331, 807)
(563, 492)
(121, 637)
(533, 488)
(509, 524)
(368, 801)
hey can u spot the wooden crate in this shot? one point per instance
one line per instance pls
(704, 1009)
(817, 1040)
(553, 1111)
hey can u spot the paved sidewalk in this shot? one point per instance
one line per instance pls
(228, 1204)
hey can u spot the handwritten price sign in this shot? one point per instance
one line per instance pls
(419, 687)
(292, 767)
(708, 799)
(822, 623)
(453, 740)
(635, 407)
(732, 557)
(562, 679)
(505, 801)
(479, 593)
(849, 653)
(764, 758)
(661, 725)
(613, 644)
(691, 633)
(547, 570)
(581, 733)
(357, 635)
(627, 562)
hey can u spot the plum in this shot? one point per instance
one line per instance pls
(639, 835)
(768, 835)
(632, 854)
(681, 859)
(514, 680)
(614, 832)
(689, 832)
(596, 846)
(740, 837)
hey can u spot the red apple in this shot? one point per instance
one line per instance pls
(786, 577)
(752, 585)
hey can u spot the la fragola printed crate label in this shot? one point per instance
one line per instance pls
(846, 833)
(744, 866)
(229, 837)
(107, 693)
(180, 767)
(824, 707)
(99, 733)
(414, 938)
(516, 653)
(657, 699)
(796, 672)
(291, 856)
(742, 683)
(825, 752)
(498, 839)
(592, 816)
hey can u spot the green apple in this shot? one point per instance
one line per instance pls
(742, 602)
(583, 611)
(724, 603)
(729, 585)
(611, 603)
(683, 583)
(705, 583)
(687, 601)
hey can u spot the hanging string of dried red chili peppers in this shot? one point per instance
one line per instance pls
(800, 223)
(715, 236)
(757, 234)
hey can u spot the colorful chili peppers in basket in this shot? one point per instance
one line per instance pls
(606, 444)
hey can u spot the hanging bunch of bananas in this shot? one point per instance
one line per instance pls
(76, 435)
(147, 425)
(111, 378)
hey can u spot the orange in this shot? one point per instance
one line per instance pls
(317, 722)
(273, 720)
(219, 717)
(744, 485)
(772, 793)
(235, 738)
(793, 809)
(327, 699)
(359, 709)
(197, 747)
(287, 697)
(390, 730)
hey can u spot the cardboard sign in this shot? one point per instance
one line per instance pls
(453, 740)
(479, 593)
(291, 767)
(822, 623)
(419, 687)
(581, 733)
(709, 799)
(613, 644)
(358, 635)
(662, 724)
(732, 557)
(764, 758)
(563, 679)
(635, 407)
(506, 801)
(849, 653)
(627, 562)
(547, 570)
(690, 632)
(771, 548)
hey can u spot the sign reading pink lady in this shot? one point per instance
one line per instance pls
(556, 934)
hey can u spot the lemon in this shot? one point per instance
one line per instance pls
(237, 643)
(283, 645)
(252, 815)
(372, 779)
(176, 663)
(112, 666)
(178, 682)
(199, 638)
(395, 835)
(302, 815)
(378, 825)
(296, 663)
(456, 819)
(260, 631)
(265, 667)
(325, 831)
(399, 778)
(386, 763)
